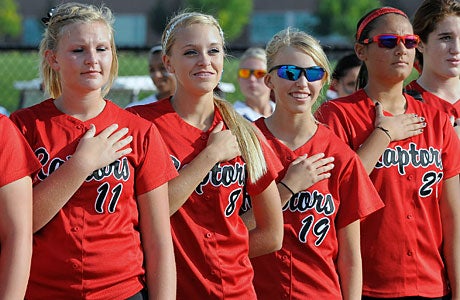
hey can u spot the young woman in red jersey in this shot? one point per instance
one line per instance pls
(322, 208)
(220, 156)
(411, 247)
(18, 163)
(437, 22)
(102, 188)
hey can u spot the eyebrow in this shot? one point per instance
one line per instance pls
(446, 33)
(195, 45)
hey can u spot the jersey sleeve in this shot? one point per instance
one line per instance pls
(157, 167)
(16, 157)
(361, 200)
(331, 115)
(451, 148)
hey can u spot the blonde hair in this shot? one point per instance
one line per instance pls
(254, 52)
(246, 134)
(301, 41)
(59, 17)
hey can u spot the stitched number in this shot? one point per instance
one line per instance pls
(307, 222)
(103, 191)
(232, 199)
(429, 179)
(320, 229)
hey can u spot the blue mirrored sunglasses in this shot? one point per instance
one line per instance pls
(293, 73)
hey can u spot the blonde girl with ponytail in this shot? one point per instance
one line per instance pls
(220, 157)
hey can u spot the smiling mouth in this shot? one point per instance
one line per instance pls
(300, 96)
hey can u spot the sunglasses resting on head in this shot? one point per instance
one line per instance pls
(293, 73)
(246, 73)
(390, 41)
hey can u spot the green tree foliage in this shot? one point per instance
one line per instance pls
(10, 20)
(233, 15)
(341, 16)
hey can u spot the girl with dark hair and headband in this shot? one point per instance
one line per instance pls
(411, 247)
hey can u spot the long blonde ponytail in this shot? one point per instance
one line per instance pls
(247, 138)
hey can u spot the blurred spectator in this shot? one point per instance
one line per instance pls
(163, 81)
(344, 77)
(251, 73)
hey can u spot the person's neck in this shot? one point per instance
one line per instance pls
(391, 97)
(260, 105)
(197, 111)
(82, 107)
(162, 95)
(447, 88)
(293, 130)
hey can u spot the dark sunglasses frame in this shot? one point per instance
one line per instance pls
(312, 74)
(390, 41)
(258, 73)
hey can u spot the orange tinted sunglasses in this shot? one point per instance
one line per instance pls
(246, 73)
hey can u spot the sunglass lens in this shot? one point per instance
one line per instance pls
(388, 41)
(289, 72)
(259, 73)
(244, 73)
(410, 43)
(315, 73)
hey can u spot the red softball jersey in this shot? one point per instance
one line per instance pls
(16, 157)
(92, 249)
(401, 245)
(433, 100)
(210, 239)
(306, 266)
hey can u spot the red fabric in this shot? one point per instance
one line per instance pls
(91, 249)
(210, 239)
(16, 157)
(306, 266)
(402, 243)
(452, 109)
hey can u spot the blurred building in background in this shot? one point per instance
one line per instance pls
(133, 24)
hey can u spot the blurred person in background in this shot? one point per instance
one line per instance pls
(251, 73)
(162, 79)
(344, 77)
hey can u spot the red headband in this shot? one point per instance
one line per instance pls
(374, 15)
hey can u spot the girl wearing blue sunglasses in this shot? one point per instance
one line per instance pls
(320, 258)
(411, 247)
